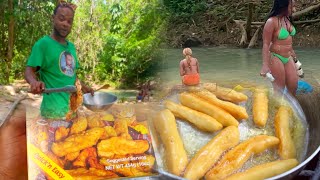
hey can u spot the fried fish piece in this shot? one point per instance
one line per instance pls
(77, 142)
(121, 146)
(61, 133)
(80, 124)
(92, 173)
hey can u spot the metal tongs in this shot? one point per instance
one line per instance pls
(68, 88)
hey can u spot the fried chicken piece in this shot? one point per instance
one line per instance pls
(92, 173)
(81, 161)
(75, 100)
(109, 132)
(94, 120)
(121, 146)
(88, 156)
(77, 142)
(72, 156)
(121, 128)
(80, 124)
(61, 133)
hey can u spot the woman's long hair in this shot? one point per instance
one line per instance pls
(280, 7)
(187, 52)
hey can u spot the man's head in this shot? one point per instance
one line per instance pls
(63, 19)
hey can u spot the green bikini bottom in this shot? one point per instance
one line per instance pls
(284, 60)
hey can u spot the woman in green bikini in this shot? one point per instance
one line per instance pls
(277, 53)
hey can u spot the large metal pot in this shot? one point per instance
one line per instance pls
(307, 107)
(310, 104)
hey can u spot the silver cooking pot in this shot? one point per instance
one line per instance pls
(307, 107)
(310, 105)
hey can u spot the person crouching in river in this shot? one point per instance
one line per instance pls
(189, 69)
(277, 53)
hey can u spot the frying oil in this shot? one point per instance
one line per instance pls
(194, 139)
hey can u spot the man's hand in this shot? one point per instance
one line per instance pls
(87, 89)
(13, 148)
(37, 87)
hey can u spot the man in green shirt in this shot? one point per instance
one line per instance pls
(54, 59)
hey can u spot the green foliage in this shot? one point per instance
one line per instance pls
(116, 40)
(185, 8)
(130, 52)
(32, 21)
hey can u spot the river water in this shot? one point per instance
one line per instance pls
(232, 64)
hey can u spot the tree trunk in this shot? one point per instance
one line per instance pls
(2, 32)
(254, 39)
(306, 10)
(244, 37)
(10, 40)
(249, 20)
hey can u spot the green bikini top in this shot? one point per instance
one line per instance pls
(284, 33)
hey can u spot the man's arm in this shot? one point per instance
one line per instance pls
(86, 89)
(37, 87)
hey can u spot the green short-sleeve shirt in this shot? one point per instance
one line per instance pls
(58, 64)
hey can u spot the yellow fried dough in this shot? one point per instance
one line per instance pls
(235, 158)
(265, 171)
(260, 107)
(77, 142)
(200, 120)
(286, 149)
(121, 146)
(225, 93)
(207, 156)
(236, 111)
(175, 154)
(196, 103)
